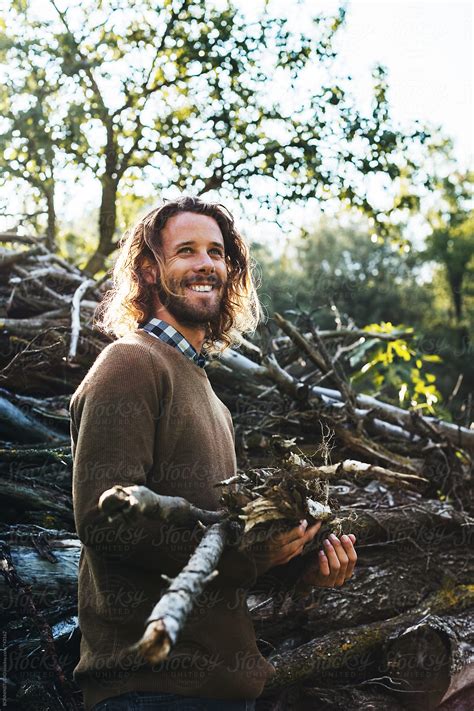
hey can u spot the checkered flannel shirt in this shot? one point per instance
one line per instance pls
(167, 333)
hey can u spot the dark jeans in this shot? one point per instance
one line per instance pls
(145, 701)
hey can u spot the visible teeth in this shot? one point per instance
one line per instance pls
(201, 287)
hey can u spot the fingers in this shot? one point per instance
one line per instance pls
(300, 535)
(296, 547)
(324, 566)
(311, 532)
(337, 558)
(299, 532)
(291, 544)
(348, 545)
(337, 561)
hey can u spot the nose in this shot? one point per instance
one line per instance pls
(203, 263)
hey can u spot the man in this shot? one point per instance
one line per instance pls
(146, 414)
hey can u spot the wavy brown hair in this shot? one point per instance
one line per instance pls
(129, 303)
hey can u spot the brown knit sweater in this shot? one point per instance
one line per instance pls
(146, 414)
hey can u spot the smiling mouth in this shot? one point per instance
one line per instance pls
(202, 288)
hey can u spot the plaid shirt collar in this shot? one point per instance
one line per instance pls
(167, 333)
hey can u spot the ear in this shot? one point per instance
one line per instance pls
(150, 272)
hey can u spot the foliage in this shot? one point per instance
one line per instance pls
(395, 366)
(334, 271)
(28, 140)
(336, 262)
(451, 242)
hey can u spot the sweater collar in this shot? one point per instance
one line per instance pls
(168, 334)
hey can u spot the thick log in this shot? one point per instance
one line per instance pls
(429, 662)
(28, 501)
(354, 654)
(283, 618)
(19, 426)
(21, 457)
(50, 568)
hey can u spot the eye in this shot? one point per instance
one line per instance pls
(217, 250)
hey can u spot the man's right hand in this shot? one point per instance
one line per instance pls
(282, 547)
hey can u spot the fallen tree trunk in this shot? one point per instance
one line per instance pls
(18, 426)
(31, 502)
(354, 654)
(50, 568)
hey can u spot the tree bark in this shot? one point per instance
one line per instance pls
(51, 224)
(107, 225)
(173, 609)
(360, 653)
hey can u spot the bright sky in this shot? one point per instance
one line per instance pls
(427, 46)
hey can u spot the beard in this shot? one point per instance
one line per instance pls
(196, 312)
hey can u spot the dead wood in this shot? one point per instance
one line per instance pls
(401, 481)
(173, 609)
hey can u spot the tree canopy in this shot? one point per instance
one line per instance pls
(193, 95)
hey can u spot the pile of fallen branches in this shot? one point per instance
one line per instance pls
(398, 635)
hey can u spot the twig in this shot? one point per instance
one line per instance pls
(45, 289)
(339, 377)
(286, 383)
(7, 259)
(455, 390)
(388, 476)
(302, 342)
(76, 315)
(22, 239)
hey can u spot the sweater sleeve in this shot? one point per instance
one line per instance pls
(114, 416)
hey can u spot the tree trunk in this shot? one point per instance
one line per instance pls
(455, 284)
(286, 621)
(51, 226)
(107, 224)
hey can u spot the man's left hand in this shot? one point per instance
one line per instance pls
(335, 563)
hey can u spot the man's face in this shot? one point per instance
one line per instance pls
(193, 252)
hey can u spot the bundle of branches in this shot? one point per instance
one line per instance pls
(295, 490)
(399, 633)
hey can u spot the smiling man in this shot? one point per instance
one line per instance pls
(196, 274)
(146, 414)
